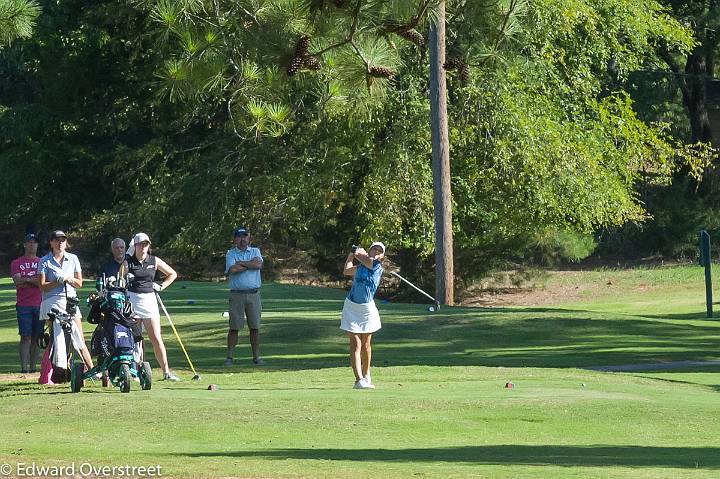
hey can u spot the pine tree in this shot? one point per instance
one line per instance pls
(17, 18)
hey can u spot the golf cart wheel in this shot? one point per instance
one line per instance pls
(146, 376)
(125, 378)
(76, 377)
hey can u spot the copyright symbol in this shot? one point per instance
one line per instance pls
(5, 469)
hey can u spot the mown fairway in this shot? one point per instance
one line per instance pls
(440, 408)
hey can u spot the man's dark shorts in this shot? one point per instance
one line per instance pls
(29, 323)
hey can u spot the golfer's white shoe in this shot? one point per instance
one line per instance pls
(170, 376)
(363, 383)
(367, 377)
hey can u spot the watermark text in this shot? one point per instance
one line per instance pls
(84, 469)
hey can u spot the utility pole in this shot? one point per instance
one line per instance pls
(442, 196)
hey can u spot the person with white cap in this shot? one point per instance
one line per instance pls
(141, 293)
(60, 276)
(360, 316)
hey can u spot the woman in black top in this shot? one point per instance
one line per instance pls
(141, 293)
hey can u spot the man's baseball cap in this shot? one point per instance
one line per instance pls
(57, 234)
(380, 244)
(240, 232)
(30, 237)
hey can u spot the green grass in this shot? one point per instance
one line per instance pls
(440, 409)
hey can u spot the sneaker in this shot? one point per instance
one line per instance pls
(170, 376)
(363, 383)
(367, 377)
(258, 361)
(228, 362)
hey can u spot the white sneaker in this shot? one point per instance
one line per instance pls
(363, 383)
(367, 377)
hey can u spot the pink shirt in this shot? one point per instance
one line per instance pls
(27, 268)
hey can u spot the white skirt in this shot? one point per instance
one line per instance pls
(58, 302)
(145, 305)
(360, 318)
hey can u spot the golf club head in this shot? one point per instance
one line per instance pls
(196, 377)
(437, 305)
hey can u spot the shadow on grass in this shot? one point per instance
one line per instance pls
(25, 388)
(300, 331)
(714, 387)
(555, 455)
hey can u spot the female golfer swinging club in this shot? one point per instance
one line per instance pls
(360, 316)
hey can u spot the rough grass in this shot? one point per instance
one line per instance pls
(440, 409)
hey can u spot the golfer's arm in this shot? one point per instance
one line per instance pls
(76, 281)
(349, 268)
(365, 260)
(46, 285)
(168, 271)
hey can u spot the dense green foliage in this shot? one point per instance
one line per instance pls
(186, 118)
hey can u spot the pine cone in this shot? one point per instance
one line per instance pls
(452, 63)
(311, 63)
(381, 72)
(414, 36)
(295, 65)
(303, 44)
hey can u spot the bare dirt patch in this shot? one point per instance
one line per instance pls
(544, 288)
(9, 377)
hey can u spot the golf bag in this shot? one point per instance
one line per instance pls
(59, 366)
(117, 332)
(114, 341)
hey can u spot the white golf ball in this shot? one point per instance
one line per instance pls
(226, 314)
(431, 309)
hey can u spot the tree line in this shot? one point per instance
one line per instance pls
(573, 125)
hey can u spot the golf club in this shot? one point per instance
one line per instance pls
(162, 305)
(435, 301)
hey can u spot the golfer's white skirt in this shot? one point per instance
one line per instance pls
(145, 305)
(58, 302)
(360, 318)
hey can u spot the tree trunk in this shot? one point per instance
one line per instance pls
(442, 197)
(695, 99)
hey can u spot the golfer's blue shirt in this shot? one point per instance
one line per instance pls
(51, 268)
(365, 283)
(248, 279)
